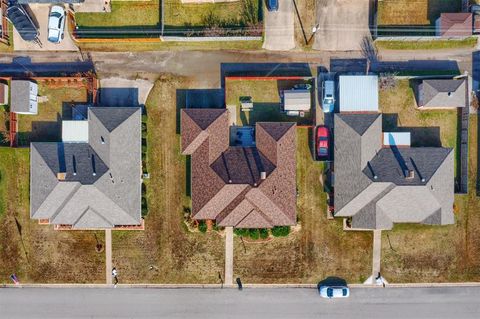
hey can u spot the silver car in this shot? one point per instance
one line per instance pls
(56, 24)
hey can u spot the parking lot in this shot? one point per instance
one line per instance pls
(39, 14)
(342, 24)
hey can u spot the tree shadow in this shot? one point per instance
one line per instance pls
(332, 281)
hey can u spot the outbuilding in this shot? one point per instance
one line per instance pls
(297, 100)
(358, 93)
(24, 97)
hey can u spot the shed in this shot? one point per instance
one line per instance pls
(396, 138)
(441, 93)
(24, 99)
(3, 94)
(75, 131)
(358, 93)
(297, 100)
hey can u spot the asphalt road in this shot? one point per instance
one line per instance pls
(275, 303)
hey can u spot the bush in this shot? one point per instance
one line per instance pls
(202, 226)
(280, 231)
(254, 233)
(144, 118)
(263, 233)
(242, 232)
(144, 127)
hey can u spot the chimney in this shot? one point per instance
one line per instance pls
(263, 175)
(409, 174)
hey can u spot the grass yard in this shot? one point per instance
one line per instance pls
(418, 253)
(266, 99)
(46, 126)
(427, 45)
(418, 12)
(177, 255)
(124, 14)
(237, 13)
(119, 46)
(320, 248)
(37, 253)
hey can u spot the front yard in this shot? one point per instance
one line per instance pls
(37, 253)
(266, 98)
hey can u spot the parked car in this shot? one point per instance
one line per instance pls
(20, 19)
(56, 24)
(328, 96)
(323, 142)
(272, 5)
(334, 291)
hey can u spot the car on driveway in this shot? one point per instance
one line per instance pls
(328, 96)
(334, 291)
(272, 5)
(20, 19)
(56, 24)
(323, 142)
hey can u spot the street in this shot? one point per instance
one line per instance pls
(451, 302)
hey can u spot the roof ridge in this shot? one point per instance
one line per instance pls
(89, 208)
(66, 200)
(113, 201)
(271, 201)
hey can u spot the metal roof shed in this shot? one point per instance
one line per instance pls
(75, 131)
(358, 93)
(297, 100)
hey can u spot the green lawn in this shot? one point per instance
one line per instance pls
(124, 14)
(266, 99)
(37, 253)
(426, 45)
(46, 125)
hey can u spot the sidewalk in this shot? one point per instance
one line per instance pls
(108, 256)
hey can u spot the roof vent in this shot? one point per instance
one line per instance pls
(61, 176)
(375, 177)
(263, 175)
(449, 93)
(409, 174)
(423, 180)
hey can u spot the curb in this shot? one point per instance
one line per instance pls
(256, 286)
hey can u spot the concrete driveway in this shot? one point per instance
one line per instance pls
(279, 27)
(342, 24)
(39, 13)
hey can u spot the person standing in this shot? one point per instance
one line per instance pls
(114, 275)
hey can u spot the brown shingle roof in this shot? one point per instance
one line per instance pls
(226, 181)
(456, 24)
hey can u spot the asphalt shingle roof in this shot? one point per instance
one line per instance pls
(442, 93)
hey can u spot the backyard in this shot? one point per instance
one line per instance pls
(422, 12)
(54, 105)
(265, 95)
(37, 253)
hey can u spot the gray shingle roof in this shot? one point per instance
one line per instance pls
(110, 197)
(442, 93)
(370, 181)
(20, 96)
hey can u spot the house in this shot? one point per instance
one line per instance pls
(24, 97)
(441, 93)
(90, 180)
(458, 24)
(379, 183)
(3, 94)
(295, 101)
(239, 186)
(358, 93)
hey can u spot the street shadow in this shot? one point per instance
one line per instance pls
(369, 51)
(180, 104)
(415, 67)
(332, 281)
(119, 97)
(22, 67)
(348, 65)
(264, 70)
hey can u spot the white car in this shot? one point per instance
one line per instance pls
(334, 291)
(56, 24)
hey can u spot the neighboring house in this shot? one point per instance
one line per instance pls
(442, 93)
(379, 182)
(3, 94)
(296, 101)
(92, 179)
(454, 25)
(243, 187)
(24, 97)
(358, 93)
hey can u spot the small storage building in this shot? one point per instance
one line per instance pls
(358, 93)
(297, 100)
(3, 94)
(24, 97)
(441, 93)
(75, 131)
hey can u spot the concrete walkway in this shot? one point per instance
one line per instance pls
(229, 256)
(377, 249)
(108, 256)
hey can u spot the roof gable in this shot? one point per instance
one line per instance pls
(359, 122)
(112, 117)
(204, 117)
(276, 129)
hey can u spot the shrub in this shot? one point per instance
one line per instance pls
(241, 232)
(144, 127)
(144, 118)
(263, 233)
(280, 231)
(254, 233)
(202, 226)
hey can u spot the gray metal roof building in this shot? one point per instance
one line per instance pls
(95, 184)
(297, 100)
(378, 186)
(358, 93)
(442, 93)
